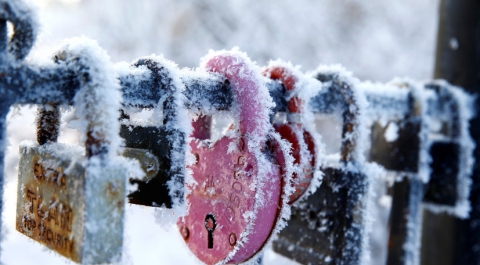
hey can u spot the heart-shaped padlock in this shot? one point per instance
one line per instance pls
(304, 149)
(240, 187)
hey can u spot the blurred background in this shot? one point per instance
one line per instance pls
(377, 40)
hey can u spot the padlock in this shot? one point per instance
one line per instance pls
(402, 153)
(240, 188)
(72, 199)
(159, 148)
(448, 194)
(441, 184)
(304, 149)
(451, 162)
(403, 156)
(328, 227)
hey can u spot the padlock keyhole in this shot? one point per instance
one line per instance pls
(210, 224)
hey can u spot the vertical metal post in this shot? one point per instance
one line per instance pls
(4, 107)
(3, 134)
(448, 240)
(405, 221)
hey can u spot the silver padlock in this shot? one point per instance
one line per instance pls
(70, 198)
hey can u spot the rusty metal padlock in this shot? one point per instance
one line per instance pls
(72, 199)
(159, 148)
(304, 149)
(240, 190)
(328, 227)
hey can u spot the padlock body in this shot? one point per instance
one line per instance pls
(442, 189)
(327, 228)
(402, 154)
(158, 144)
(54, 208)
(227, 187)
(303, 152)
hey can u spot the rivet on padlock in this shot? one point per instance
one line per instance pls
(304, 147)
(240, 193)
(72, 203)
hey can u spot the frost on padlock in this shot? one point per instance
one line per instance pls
(451, 151)
(331, 225)
(69, 199)
(297, 128)
(422, 140)
(162, 137)
(26, 28)
(239, 193)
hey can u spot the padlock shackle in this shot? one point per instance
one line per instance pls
(99, 98)
(168, 139)
(282, 74)
(24, 26)
(350, 114)
(251, 94)
(48, 123)
(350, 123)
(452, 106)
(295, 104)
(165, 87)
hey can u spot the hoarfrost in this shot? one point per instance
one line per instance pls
(353, 108)
(97, 104)
(170, 113)
(391, 134)
(99, 98)
(305, 87)
(258, 120)
(466, 112)
(26, 23)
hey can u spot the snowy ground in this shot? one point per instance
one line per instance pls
(377, 40)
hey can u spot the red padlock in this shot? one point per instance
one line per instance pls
(241, 182)
(304, 148)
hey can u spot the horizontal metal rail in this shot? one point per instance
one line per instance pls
(56, 84)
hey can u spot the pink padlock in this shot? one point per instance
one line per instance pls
(303, 143)
(240, 189)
